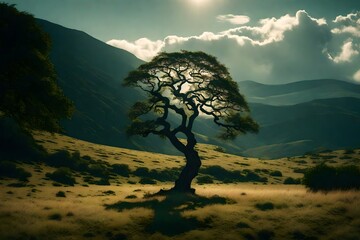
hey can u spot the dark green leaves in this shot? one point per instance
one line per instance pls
(187, 84)
(28, 89)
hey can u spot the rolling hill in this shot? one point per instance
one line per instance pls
(299, 117)
(298, 92)
(90, 72)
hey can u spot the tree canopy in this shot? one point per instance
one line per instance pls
(187, 84)
(28, 88)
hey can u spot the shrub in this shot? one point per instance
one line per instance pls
(166, 175)
(141, 172)
(326, 178)
(204, 179)
(276, 173)
(147, 180)
(265, 234)
(254, 177)
(265, 206)
(64, 158)
(290, 180)
(222, 174)
(102, 181)
(121, 169)
(62, 175)
(10, 170)
(98, 170)
(60, 194)
(55, 216)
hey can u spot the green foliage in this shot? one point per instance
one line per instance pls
(55, 216)
(147, 180)
(121, 169)
(222, 174)
(10, 170)
(290, 180)
(265, 206)
(16, 144)
(165, 175)
(325, 178)
(28, 89)
(276, 173)
(60, 194)
(62, 175)
(64, 158)
(204, 179)
(163, 79)
(228, 176)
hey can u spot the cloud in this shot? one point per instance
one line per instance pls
(273, 50)
(349, 24)
(142, 48)
(347, 53)
(357, 76)
(234, 19)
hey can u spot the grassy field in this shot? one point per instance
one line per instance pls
(261, 207)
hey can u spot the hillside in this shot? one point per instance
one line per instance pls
(298, 92)
(110, 197)
(91, 73)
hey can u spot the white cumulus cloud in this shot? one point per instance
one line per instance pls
(142, 48)
(234, 19)
(349, 24)
(347, 52)
(274, 50)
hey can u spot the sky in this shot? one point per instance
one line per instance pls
(268, 41)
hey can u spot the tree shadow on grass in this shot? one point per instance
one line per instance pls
(168, 218)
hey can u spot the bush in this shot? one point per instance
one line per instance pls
(326, 178)
(222, 174)
(10, 170)
(121, 169)
(265, 206)
(62, 175)
(166, 175)
(60, 194)
(141, 172)
(254, 177)
(276, 173)
(290, 180)
(204, 179)
(98, 170)
(64, 158)
(147, 180)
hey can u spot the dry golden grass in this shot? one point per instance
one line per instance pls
(256, 211)
(296, 212)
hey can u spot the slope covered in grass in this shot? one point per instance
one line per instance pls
(44, 208)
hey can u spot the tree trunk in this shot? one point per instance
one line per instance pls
(189, 172)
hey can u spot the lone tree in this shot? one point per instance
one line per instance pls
(188, 84)
(29, 93)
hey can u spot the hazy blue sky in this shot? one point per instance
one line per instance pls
(263, 40)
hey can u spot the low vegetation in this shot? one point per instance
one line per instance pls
(89, 177)
(325, 178)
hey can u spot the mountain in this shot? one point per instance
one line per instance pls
(91, 72)
(315, 125)
(298, 92)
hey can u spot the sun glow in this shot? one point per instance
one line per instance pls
(199, 3)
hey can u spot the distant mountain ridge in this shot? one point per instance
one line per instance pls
(298, 92)
(91, 73)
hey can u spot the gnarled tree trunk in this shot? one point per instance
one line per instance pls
(189, 172)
